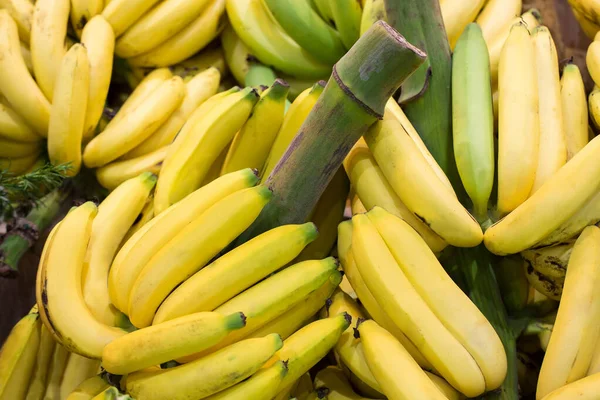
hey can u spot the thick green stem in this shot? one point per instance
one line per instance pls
(354, 98)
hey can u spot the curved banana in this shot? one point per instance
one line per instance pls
(20, 165)
(592, 60)
(548, 285)
(83, 11)
(48, 34)
(324, 8)
(139, 249)
(190, 67)
(574, 105)
(39, 378)
(457, 15)
(77, 370)
(88, 389)
(236, 54)
(112, 175)
(21, 12)
(61, 280)
(16, 83)
(257, 28)
(594, 106)
(121, 14)
(60, 357)
(136, 126)
(157, 25)
(142, 219)
(496, 15)
(583, 389)
(250, 147)
(347, 15)
(198, 89)
(14, 127)
(191, 248)
(200, 141)
(188, 41)
(236, 271)
(444, 387)
(577, 324)
(550, 261)
(589, 27)
(373, 11)
(333, 379)
(99, 40)
(208, 375)
(10, 149)
(67, 115)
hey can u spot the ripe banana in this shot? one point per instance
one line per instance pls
(142, 219)
(444, 387)
(77, 370)
(60, 357)
(67, 115)
(236, 54)
(550, 261)
(594, 106)
(139, 249)
(496, 15)
(257, 28)
(14, 127)
(39, 378)
(208, 375)
(21, 12)
(188, 41)
(200, 141)
(48, 34)
(191, 248)
(251, 145)
(10, 149)
(18, 166)
(589, 27)
(136, 126)
(89, 388)
(302, 387)
(373, 11)
(457, 16)
(592, 60)
(190, 67)
(583, 389)
(112, 175)
(356, 206)
(577, 324)
(99, 40)
(83, 11)
(16, 83)
(347, 15)
(61, 294)
(236, 271)
(334, 380)
(121, 14)
(574, 105)
(293, 120)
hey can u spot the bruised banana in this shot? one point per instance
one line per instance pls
(550, 261)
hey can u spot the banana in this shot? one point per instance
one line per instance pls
(48, 34)
(444, 387)
(10, 149)
(356, 206)
(210, 57)
(574, 105)
(258, 29)
(139, 249)
(550, 261)
(157, 25)
(496, 15)
(188, 41)
(324, 8)
(198, 89)
(594, 106)
(457, 16)
(305, 27)
(589, 27)
(373, 11)
(60, 357)
(142, 219)
(99, 40)
(14, 127)
(21, 12)
(16, 83)
(549, 286)
(366, 297)
(583, 389)
(88, 389)
(577, 324)
(292, 121)
(121, 14)
(20, 165)
(208, 375)
(83, 11)
(285, 289)
(167, 341)
(77, 370)
(37, 385)
(262, 385)
(447, 301)
(236, 54)
(347, 15)
(397, 373)
(17, 357)
(136, 126)
(200, 141)
(303, 387)
(67, 115)
(553, 146)
(592, 60)
(26, 53)
(473, 119)
(333, 378)
(518, 120)
(115, 216)
(413, 180)
(191, 248)
(236, 271)
(215, 169)
(403, 303)
(114, 174)
(61, 294)
(250, 147)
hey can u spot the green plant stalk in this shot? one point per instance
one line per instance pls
(354, 98)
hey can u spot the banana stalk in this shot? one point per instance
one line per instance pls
(353, 99)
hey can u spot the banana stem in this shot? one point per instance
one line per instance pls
(354, 98)
(24, 234)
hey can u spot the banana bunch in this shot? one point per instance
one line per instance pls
(587, 14)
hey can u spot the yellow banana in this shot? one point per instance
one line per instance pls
(356, 205)
(444, 387)
(577, 324)
(136, 126)
(83, 11)
(549, 286)
(186, 42)
(457, 15)
(48, 34)
(236, 54)
(589, 27)
(198, 90)
(583, 389)
(518, 120)
(39, 378)
(121, 14)
(142, 219)
(592, 60)
(551, 261)
(99, 40)
(14, 127)
(594, 106)
(236, 271)
(293, 120)
(18, 166)
(67, 115)
(17, 86)
(574, 105)
(112, 175)
(10, 149)
(167, 341)
(333, 379)
(215, 169)
(191, 248)
(21, 12)
(17, 357)
(199, 143)
(303, 387)
(250, 147)
(77, 370)
(190, 67)
(496, 15)
(208, 375)
(61, 294)
(88, 389)
(60, 357)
